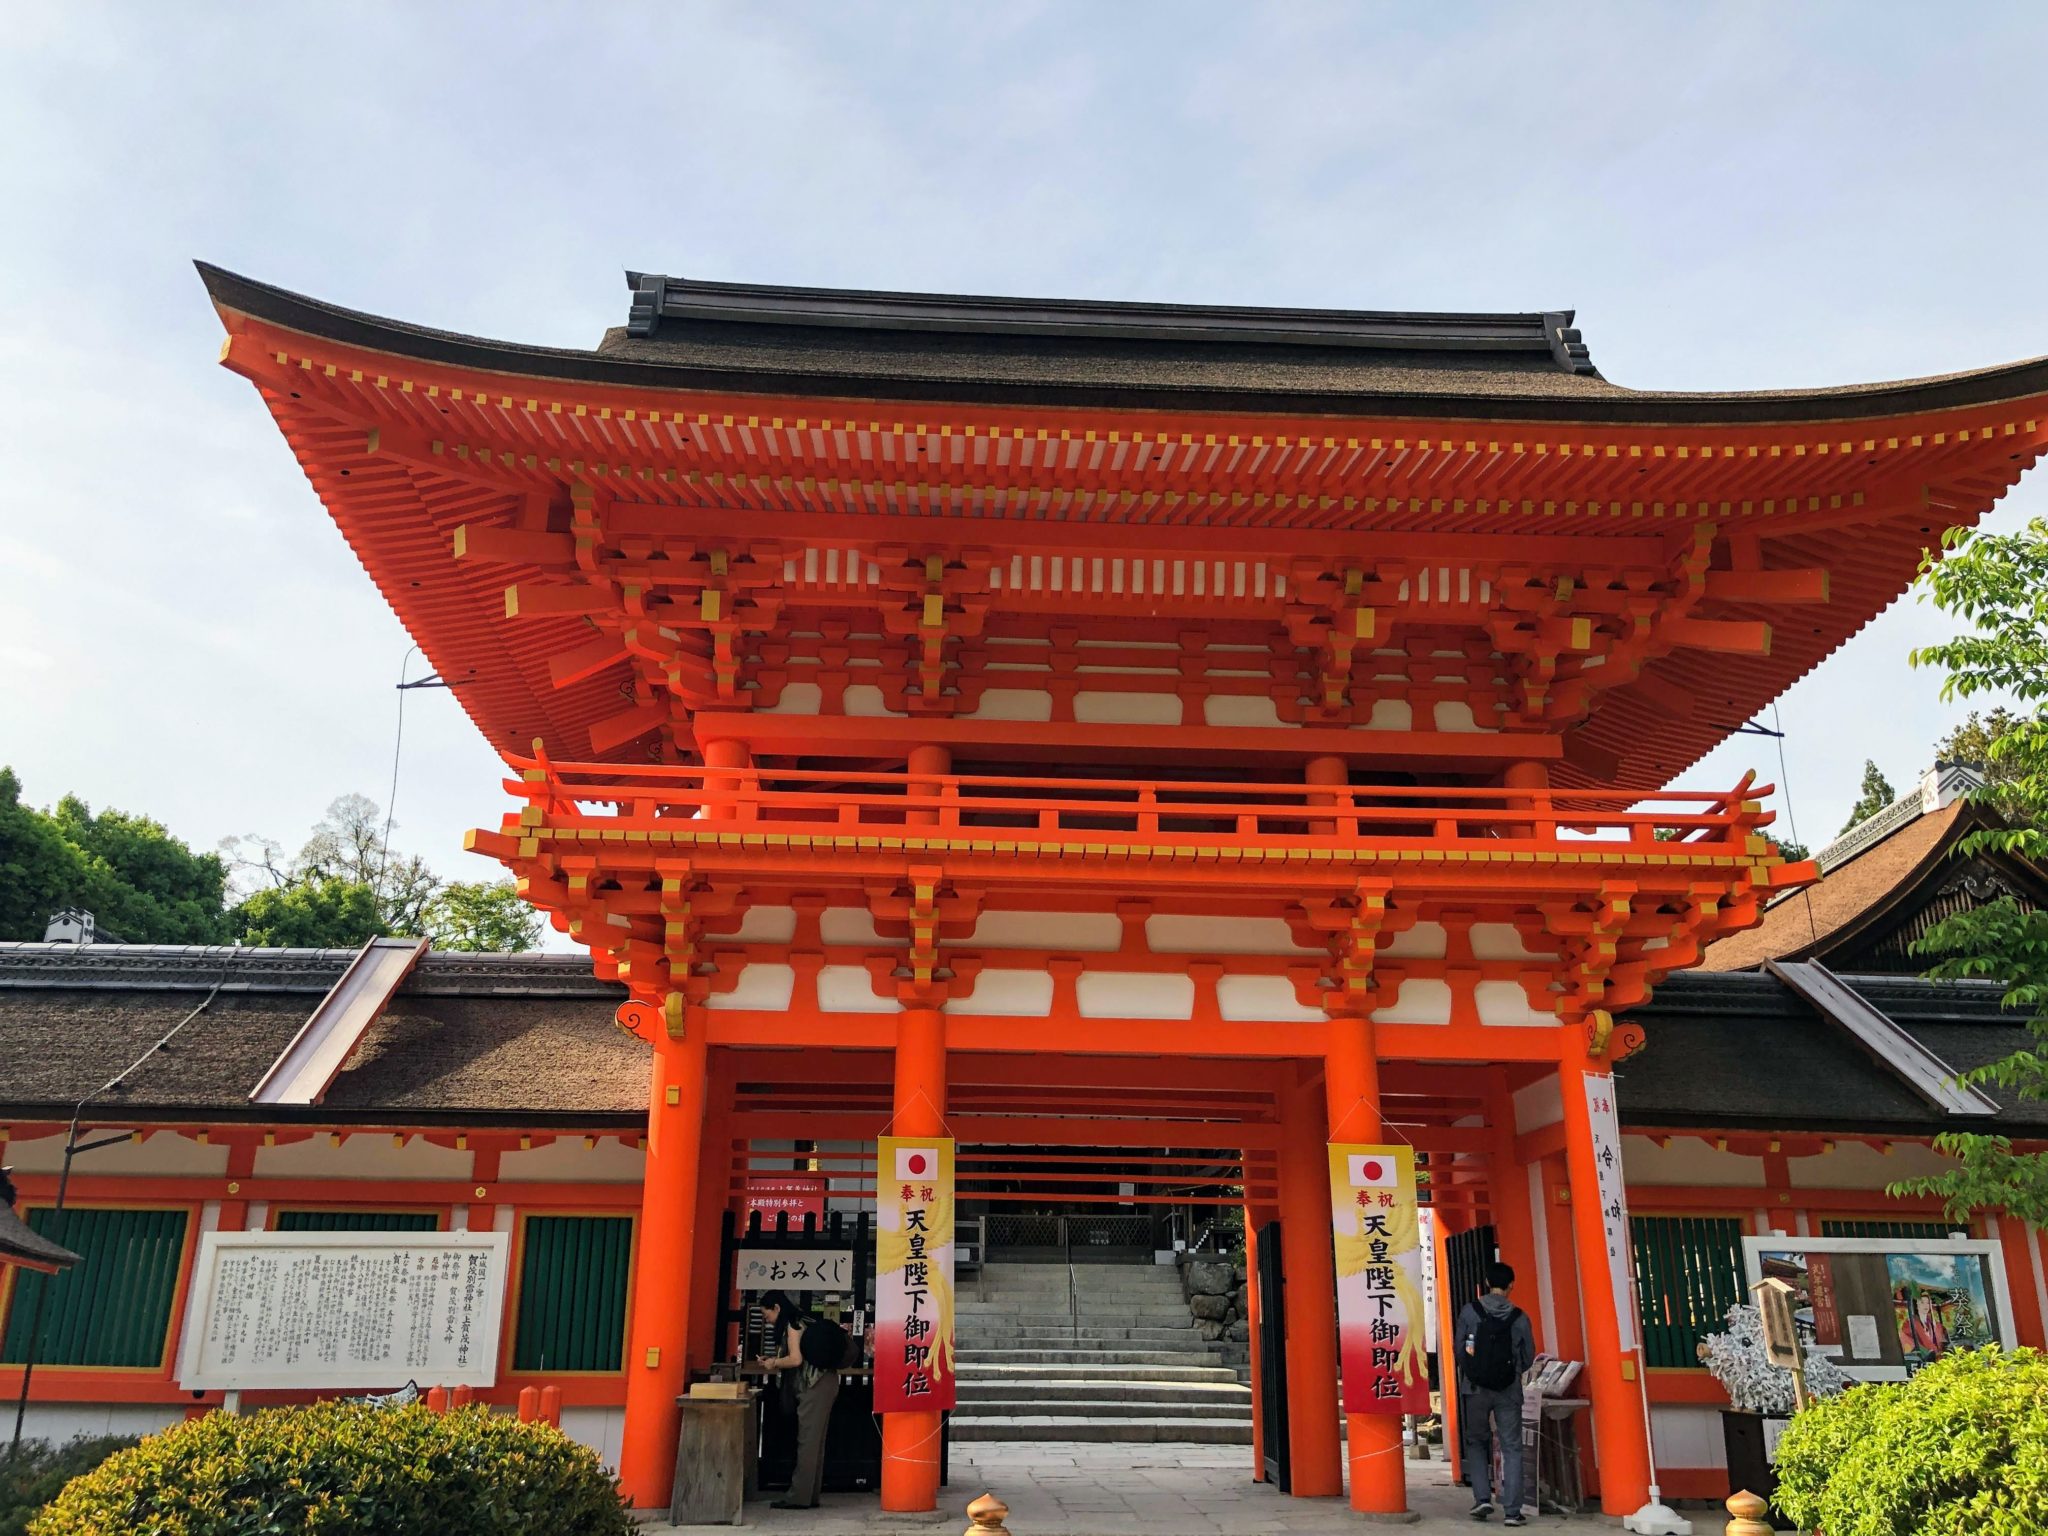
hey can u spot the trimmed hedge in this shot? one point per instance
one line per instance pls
(342, 1469)
(1961, 1449)
(38, 1471)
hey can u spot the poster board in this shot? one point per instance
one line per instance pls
(311, 1311)
(1882, 1307)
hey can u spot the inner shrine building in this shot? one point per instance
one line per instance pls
(1121, 726)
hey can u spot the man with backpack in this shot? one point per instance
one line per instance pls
(815, 1350)
(1495, 1346)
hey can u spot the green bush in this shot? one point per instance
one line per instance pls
(1959, 1450)
(338, 1468)
(34, 1474)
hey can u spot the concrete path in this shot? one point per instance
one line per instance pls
(1061, 1488)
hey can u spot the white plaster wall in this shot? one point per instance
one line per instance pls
(1134, 995)
(1170, 933)
(1102, 708)
(1422, 1000)
(1007, 994)
(762, 985)
(1500, 941)
(1268, 999)
(847, 925)
(1257, 710)
(611, 1161)
(765, 925)
(797, 699)
(165, 1153)
(1854, 1166)
(865, 699)
(1688, 1160)
(849, 989)
(599, 1428)
(1505, 1003)
(59, 1422)
(1422, 941)
(1687, 1435)
(1095, 932)
(1538, 1104)
(1012, 704)
(367, 1156)
(1456, 715)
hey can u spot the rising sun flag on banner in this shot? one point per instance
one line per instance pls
(1380, 1308)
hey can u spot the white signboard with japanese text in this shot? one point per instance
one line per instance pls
(1613, 1203)
(793, 1269)
(359, 1310)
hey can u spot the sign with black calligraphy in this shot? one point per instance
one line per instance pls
(353, 1310)
(793, 1269)
(1380, 1297)
(913, 1273)
(1613, 1202)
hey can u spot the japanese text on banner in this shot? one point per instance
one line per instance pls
(1613, 1202)
(1380, 1304)
(914, 1273)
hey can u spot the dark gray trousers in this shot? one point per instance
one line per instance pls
(1491, 1416)
(813, 1417)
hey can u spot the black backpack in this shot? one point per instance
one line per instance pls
(1492, 1362)
(823, 1343)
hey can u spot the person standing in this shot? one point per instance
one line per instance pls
(817, 1388)
(1495, 1346)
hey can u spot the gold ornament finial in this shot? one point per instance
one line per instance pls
(986, 1516)
(1747, 1512)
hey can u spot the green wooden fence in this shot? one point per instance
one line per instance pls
(113, 1308)
(573, 1278)
(1688, 1274)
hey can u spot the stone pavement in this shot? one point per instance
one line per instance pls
(1066, 1488)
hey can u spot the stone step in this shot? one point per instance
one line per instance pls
(1041, 1317)
(1092, 1408)
(1144, 1430)
(1108, 1389)
(983, 1335)
(1097, 1357)
(973, 1369)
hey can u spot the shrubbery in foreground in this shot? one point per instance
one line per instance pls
(1959, 1450)
(338, 1468)
(33, 1475)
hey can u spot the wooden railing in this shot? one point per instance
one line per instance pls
(1093, 810)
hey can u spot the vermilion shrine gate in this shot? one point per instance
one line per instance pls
(1121, 726)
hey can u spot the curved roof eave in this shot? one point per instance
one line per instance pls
(262, 302)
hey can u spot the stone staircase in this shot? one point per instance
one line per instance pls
(1121, 1361)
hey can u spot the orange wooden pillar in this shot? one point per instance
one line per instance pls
(664, 1279)
(1255, 1217)
(714, 1197)
(1351, 1085)
(1507, 1199)
(910, 1440)
(1447, 1309)
(1309, 1298)
(1613, 1381)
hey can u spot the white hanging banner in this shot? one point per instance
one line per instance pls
(1613, 1203)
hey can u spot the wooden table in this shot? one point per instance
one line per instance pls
(716, 1459)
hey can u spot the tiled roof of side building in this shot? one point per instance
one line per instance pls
(523, 1037)
(852, 344)
(1807, 919)
(530, 1038)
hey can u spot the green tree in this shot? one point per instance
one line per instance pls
(317, 912)
(1877, 793)
(1998, 584)
(482, 915)
(139, 882)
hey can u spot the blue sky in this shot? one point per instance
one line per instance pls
(1731, 196)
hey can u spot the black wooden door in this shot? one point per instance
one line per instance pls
(1272, 1385)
